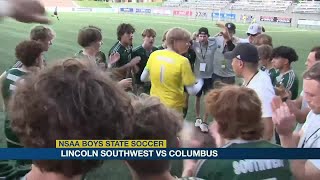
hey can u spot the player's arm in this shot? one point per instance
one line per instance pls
(132, 63)
(188, 79)
(146, 73)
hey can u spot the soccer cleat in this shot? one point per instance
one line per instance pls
(198, 122)
(204, 127)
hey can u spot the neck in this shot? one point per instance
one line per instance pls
(269, 66)
(204, 43)
(284, 70)
(164, 176)
(126, 45)
(171, 49)
(30, 69)
(248, 75)
(37, 174)
(89, 52)
(147, 47)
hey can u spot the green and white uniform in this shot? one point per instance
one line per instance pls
(100, 57)
(144, 55)
(8, 87)
(290, 81)
(125, 54)
(273, 73)
(244, 169)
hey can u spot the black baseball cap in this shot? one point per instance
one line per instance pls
(231, 27)
(245, 52)
(204, 31)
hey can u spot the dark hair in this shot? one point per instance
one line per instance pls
(69, 101)
(154, 121)
(88, 35)
(124, 28)
(317, 52)
(28, 52)
(285, 52)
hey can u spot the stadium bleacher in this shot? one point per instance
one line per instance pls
(172, 3)
(198, 4)
(307, 7)
(58, 3)
(261, 5)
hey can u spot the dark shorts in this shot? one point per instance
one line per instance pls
(226, 80)
(207, 86)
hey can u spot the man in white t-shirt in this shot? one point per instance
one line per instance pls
(245, 62)
(309, 135)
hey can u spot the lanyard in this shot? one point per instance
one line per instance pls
(251, 78)
(307, 139)
(203, 55)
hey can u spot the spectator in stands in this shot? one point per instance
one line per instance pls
(282, 59)
(245, 63)
(24, 11)
(143, 51)
(253, 31)
(154, 121)
(126, 65)
(308, 136)
(299, 106)
(222, 69)
(262, 39)
(163, 45)
(168, 78)
(237, 111)
(265, 54)
(63, 100)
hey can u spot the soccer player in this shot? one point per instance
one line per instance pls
(308, 136)
(144, 51)
(153, 120)
(238, 124)
(282, 58)
(126, 65)
(62, 102)
(265, 54)
(245, 63)
(55, 13)
(169, 71)
(90, 39)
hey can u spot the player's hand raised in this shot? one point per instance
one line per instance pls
(224, 31)
(283, 120)
(28, 11)
(114, 57)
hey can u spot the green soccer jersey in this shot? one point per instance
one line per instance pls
(273, 73)
(100, 56)
(144, 55)
(244, 169)
(8, 84)
(125, 54)
(290, 81)
(160, 47)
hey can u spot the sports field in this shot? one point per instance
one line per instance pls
(65, 45)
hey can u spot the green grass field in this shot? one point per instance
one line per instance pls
(65, 45)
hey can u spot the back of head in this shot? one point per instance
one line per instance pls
(88, 35)
(262, 39)
(286, 53)
(42, 33)
(69, 101)
(154, 121)
(28, 52)
(177, 33)
(237, 111)
(317, 52)
(265, 52)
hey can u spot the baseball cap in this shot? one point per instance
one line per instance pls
(244, 52)
(231, 27)
(204, 31)
(254, 29)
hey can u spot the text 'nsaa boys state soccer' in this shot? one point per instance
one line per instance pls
(111, 143)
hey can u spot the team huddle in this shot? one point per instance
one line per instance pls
(144, 93)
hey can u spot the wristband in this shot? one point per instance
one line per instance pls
(6, 8)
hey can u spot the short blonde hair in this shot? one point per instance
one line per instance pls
(177, 34)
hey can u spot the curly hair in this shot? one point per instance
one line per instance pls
(237, 111)
(154, 121)
(88, 35)
(69, 101)
(285, 52)
(28, 52)
(124, 28)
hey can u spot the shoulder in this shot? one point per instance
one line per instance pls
(138, 48)
(116, 47)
